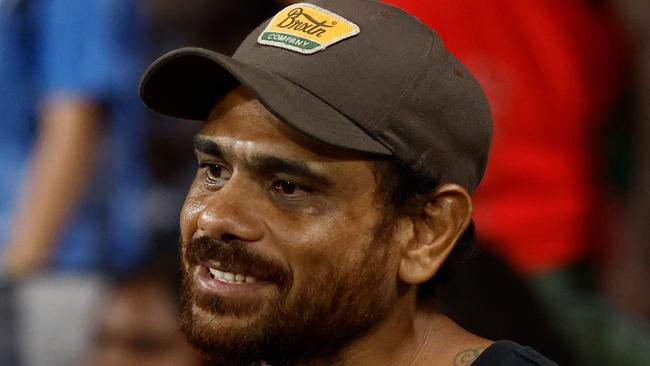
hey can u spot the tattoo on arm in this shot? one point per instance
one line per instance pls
(466, 357)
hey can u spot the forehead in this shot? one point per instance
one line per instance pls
(242, 125)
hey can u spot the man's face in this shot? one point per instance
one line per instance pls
(286, 252)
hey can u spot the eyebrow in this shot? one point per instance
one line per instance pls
(208, 147)
(266, 164)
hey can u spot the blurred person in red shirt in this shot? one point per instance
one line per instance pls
(551, 70)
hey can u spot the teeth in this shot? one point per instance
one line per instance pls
(216, 273)
(250, 279)
(230, 277)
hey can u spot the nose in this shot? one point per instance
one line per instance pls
(229, 213)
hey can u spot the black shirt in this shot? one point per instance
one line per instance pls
(507, 353)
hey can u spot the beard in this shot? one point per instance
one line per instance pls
(338, 304)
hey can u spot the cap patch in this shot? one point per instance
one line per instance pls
(306, 28)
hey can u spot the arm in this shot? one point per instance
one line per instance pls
(59, 171)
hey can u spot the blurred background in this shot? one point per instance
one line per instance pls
(91, 182)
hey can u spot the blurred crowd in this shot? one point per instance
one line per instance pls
(91, 183)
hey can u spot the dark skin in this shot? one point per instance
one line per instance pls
(312, 208)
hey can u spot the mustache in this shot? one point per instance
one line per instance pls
(235, 256)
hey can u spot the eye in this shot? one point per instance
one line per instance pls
(287, 188)
(215, 173)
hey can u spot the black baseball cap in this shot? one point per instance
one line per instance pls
(358, 74)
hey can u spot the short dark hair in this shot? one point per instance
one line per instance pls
(404, 192)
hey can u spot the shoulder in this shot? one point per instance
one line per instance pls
(507, 353)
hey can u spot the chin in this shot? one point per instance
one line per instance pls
(224, 329)
(228, 339)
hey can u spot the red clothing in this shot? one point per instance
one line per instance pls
(548, 68)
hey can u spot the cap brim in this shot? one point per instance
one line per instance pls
(186, 83)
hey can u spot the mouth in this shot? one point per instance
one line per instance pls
(212, 279)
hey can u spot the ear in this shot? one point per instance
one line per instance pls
(436, 228)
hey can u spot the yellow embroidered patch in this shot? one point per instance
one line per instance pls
(306, 28)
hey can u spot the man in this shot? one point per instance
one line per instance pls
(340, 146)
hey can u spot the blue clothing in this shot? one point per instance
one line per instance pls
(93, 49)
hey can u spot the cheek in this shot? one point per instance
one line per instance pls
(323, 234)
(318, 244)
